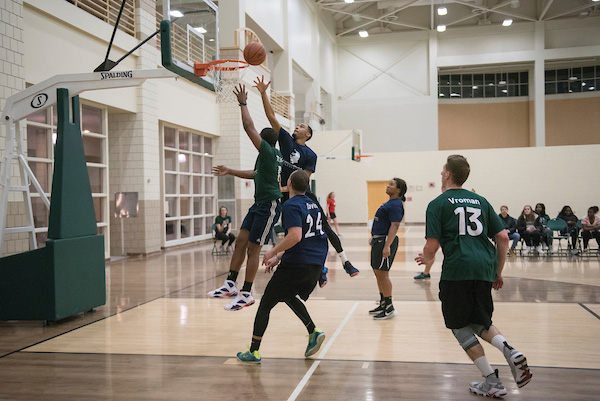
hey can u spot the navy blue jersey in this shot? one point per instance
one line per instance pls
(300, 156)
(301, 211)
(390, 211)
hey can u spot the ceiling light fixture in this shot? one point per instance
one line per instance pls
(441, 28)
(442, 11)
(200, 29)
(363, 34)
(349, 1)
(176, 13)
(507, 22)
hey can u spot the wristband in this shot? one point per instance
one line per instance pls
(242, 103)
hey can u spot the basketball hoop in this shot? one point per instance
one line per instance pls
(225, 74)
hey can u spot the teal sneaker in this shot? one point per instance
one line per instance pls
(422, 276)
(315, 339)
(249, 357)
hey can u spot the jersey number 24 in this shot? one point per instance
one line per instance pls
(473, 214)
(312, 227)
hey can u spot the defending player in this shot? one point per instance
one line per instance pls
(302, 253)
(384, 244)
(294, 151)
(462, 223)
(261, 217)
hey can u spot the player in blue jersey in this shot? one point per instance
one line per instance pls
(384, 244)
(297, 155)
(300, 256)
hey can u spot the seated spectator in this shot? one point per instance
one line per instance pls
(590, 225)
(223, 229)
(541, 224)
(567, 215)
(526, 227)
(511, 225)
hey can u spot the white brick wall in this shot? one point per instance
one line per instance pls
(11, 82)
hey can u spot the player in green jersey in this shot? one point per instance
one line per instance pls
(263, 214)
(462, 223)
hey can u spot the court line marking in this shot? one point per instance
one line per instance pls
(315, 364)
(589, 310)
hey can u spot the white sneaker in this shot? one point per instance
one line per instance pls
(491, 386)
(525, 250)
(227, 290)
(518, 365)
(540, 250)
(242, 300)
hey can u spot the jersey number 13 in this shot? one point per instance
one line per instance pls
(473, 215)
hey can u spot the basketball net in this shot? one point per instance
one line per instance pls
(225, 74)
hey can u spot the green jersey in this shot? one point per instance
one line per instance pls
(268, 170)
(463, 222)
(224, 222)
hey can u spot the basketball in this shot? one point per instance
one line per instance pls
(255, 53)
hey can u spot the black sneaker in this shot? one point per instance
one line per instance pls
(388, 313)
(377, 310)
(323, 277)
(351, 270)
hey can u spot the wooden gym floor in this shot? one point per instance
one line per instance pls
(160, 338)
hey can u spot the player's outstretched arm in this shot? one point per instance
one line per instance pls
(221, 170)
(242, 96)
(262, 88)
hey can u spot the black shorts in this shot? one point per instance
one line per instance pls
(466, 302)
(290, 280)
(378, 262)
(332, 215)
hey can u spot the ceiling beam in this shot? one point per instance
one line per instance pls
(574, 10)
(545, 9)
(371, 20)
(382, 18)
(496, 10)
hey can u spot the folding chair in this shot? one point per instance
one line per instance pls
(215, 249)
(560, 232)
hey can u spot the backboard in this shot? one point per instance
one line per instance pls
(189, 33)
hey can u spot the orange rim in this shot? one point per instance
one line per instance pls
(201, 69)
(361, 156)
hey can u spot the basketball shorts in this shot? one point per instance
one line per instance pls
(260, 220)
(466, 302)
(332, 215)
(378, 262)
(291, 279)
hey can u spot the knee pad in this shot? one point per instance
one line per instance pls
(477, 329)
(465, 337)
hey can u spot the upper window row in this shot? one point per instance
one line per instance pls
(569, 80)
(564, 80)
(483, 85)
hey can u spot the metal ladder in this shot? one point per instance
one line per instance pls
(14, 153)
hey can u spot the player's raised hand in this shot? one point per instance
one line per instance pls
(261, 85)
(240, 93)
(220, 170)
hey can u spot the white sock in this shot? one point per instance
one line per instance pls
(498, 342)
(484, 366)
(342, 255)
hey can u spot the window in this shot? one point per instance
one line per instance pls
(41, 138)
(188, 185)
(572, 80)
(466, 86)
